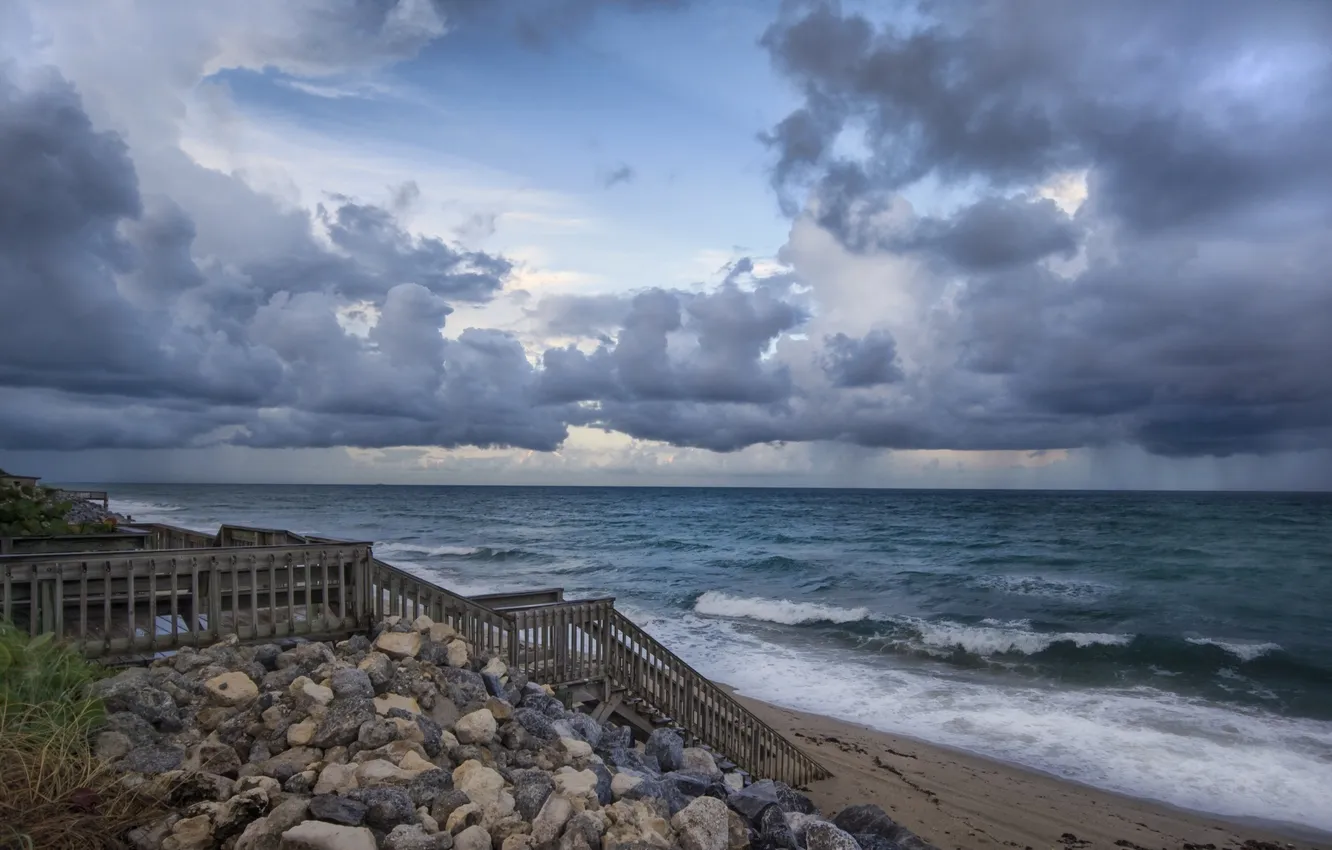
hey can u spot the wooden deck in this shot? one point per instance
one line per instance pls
(265, 584)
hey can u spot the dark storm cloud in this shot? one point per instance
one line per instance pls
(1190, 324)
(112, 335)
(865, 362)
(677, 346)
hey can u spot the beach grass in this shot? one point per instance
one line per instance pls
(54, 792)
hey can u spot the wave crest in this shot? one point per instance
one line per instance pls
(1242, 651)
(783, 611)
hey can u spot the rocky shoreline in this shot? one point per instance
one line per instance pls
(405, 739)
(84, 512)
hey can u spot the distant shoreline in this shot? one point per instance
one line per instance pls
(957, 799)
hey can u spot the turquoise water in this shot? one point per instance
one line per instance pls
(1172, 646)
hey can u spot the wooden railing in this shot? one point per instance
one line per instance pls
(89, 496)
(587, 641)
(396, 592)
(109, 604)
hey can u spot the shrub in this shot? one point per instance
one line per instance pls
(28, 511)
(54, 792)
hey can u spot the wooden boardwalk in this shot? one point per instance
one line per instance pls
(190, 589)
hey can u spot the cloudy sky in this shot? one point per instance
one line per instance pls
(1000, 243)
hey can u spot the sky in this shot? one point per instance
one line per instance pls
(662, 242)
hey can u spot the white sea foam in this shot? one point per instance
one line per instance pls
(783, 611)
(407, 550)
(1239, 649)
(994, 638)
(134, 507)
(1141, 741)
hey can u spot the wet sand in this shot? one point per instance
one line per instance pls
(958, 800)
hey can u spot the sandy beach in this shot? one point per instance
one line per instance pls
(958, 800)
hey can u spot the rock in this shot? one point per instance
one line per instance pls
(585, 728)
(479, 727)
(583, 832)
(614, 737)
(315, 835)
(472, 838)
(550, 821)
(737, 831)
(336, 779)
(465, 688)
(868, 841)
(110, 746)
(800, 823)
(342, 722)
(131, 691)
(335, 809)
(301, 734)
(457, 654)
(575, 748)
(530, 790)
(429, 784)
(636, 823)
(734, 782)
(411, 837)
(416, 762)
(266, 655)
(384, 703)
(576, 783)
(265, 833)
(270, 786)
(377, 733)
(604, 780)
(423, 624)
(154, 758)
(667, 747)
(822, 835)
(212, 756)
(446, 803)
(385, 807)
(751, 801)
(623, 783)
(485, 787)
(232, 689)
(379, 668)
(375, 772)
(495, 667)
(399, 645)
(794, 801)
(466, 815)
(521, 841)
(622, 758)
(870, 819)
(288, 763)
(351, 682)
(192, 833)
(354, 645)
(302, 783)
(536, 724)
(501, 710)
(442, 633)
(703, 825)
(700, 761)
(308, 694)
(774, 831)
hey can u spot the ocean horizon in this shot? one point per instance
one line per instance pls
(1171, 645)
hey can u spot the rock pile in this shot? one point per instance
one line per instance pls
(406, 740)
(84, 512)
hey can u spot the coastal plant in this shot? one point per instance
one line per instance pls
(34, 511)
(54, 791)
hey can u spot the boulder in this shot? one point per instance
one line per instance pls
(667, 747)
(446, 803)
(399, 645)
(479, 727)
(342, 722)
(429, 784)
(536, 724)
(870, 819)
(153, 758)
(636, 823)
(192, 833)
(530, 790)
(576, 784)
(336, 779)
(413, 837)
(585, 728)
(335, 809)
(550, 821)
(774, 831)
(737, 831)
(232, 689)
(132, 691)
(793, 801)
(376, 772)
(309, 694)
(379, 668)
(458, 655)
(301, 734)
(265, 833)
(316, 835)
(700, 761)
(384, 703)
(751, 801)
(703, 825)
(583, 831)
(385, 807)
(575, 748)
(288, 763)
(466, 815)
(351, 682)
(821, 835)
(212, 756)
(472, 838)
(442, 633)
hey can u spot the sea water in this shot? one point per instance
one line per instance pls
(1171, 646)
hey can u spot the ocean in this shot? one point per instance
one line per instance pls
(1173, 646)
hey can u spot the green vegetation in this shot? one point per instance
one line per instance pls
(54, 792)
(33, 511)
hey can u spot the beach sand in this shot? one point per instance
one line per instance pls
(958, 800)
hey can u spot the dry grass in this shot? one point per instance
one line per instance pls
(55, 794)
